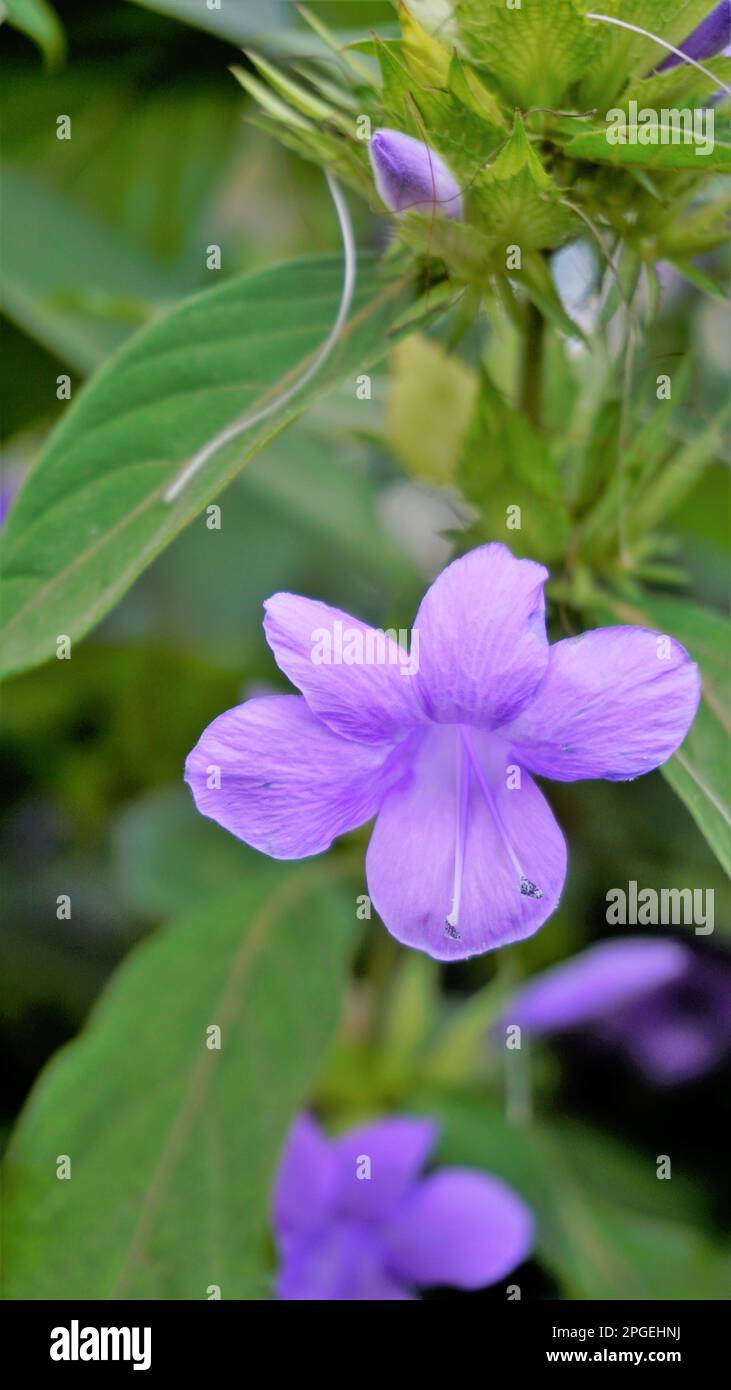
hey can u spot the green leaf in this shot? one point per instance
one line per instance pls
(518, 202)
(39, 21)
(173, 1145)
(166, 857)
(699, 772)
(536, 51)
(430, 399)
(594, 145)
(425, 56)
(42, 294)
(91, 516)
(238, 23)
(608, 1229)
(505, 465)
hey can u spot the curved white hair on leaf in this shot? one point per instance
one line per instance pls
(248, 420)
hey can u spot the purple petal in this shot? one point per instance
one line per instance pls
(396, 1149)
(482, 638)
(710, 36)
(288, 785)
(365, 691)
(614, 703)
(305, 1183)
(461, 1228)
(670, 1050)
(597, 982)
(411, 858)
(343, 1263)
(411, 177)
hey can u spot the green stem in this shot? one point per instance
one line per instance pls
(531, 366)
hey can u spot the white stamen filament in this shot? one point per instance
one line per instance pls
(647, 34)
(247, 421)
(462, 800)
(526, 886)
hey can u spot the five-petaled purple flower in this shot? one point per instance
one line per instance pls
(668, 1008)
(709, 38)
(355, 1220)
(465, 854)
(411, 177)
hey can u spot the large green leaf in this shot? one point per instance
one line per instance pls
(699, 771)
(173, 1144)
(92, 515)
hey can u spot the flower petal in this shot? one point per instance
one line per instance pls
(614, 703)
(482, 638)
(461, 1228)
(358, 680)
(342, 1264)
(671, 1050)
(707, 39)
(396, 1149)
(596, 983)
(304, 1183)
(410, 863)
(285, 783)
(411, 177)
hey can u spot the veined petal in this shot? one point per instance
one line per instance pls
(614, 703)
(458, 1227)
(482, 638)
(277, 777)
(413, 854)
(358, 680)
(304, 1184)
(596, 983)
(395, 1149)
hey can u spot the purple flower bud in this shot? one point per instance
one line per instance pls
(411, 177)
(713, 34)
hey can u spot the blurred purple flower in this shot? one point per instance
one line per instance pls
(709, 38)
(411, 177)
(667, 1007)
(465, 854)
(356, 1222)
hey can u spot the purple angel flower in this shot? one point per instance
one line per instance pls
(440, 744)
(355, 1220)
(709, 38)
(666, 1007)
(411, 177)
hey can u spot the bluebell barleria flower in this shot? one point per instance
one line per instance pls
(709, 38)
(355, 1220)
(667, 1007)
(466, 854)
(411, 177)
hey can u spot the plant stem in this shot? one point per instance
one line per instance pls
(531, 367)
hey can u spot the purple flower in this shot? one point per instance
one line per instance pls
(711, 35)
(465, 854)
(355, 1221)
(668, 1008)
(411, 177)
